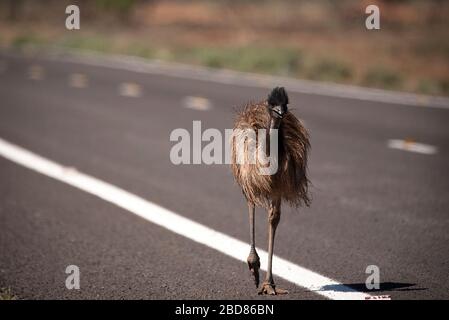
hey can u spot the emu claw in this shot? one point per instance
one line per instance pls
(270, 289)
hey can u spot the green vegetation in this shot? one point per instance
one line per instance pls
(435, 87)
(381, 77)
(27, 39)
(277, 61)
(281, 61)
(96, 43)
(329, 70)
(318, 40)
(116, 5)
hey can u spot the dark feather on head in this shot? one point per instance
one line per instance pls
(278, 97)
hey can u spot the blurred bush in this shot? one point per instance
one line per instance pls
(116, 5)
(330, 70)
(120, 8)
(283, 61)
(321, 40)
(382, 78)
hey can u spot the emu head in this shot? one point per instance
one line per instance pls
(277, 102)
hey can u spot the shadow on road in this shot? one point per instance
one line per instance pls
(361, 287)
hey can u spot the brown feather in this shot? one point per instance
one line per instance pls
(290, 182)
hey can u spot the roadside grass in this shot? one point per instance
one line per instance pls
(26, 40)
(6, 294)
(381, 77)
(279, 61)
(94, 43)
(331, 70)
(283, 61)
(433, 87)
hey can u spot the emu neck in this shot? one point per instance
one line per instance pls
(274, 123)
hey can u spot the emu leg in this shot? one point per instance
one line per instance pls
(274, 215)
(253, 258)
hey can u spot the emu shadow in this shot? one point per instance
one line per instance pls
(361, 287)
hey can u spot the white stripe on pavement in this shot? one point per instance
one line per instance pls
(36, 72)
(176, 223)
(224, 76)
(408, 145)
(78, 80)
(197, 103)
(128, 89)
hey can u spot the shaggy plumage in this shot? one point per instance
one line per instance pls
(290, 183)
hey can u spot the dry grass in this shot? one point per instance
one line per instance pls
(319, 40)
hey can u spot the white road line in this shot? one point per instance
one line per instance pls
(197, 103)
(36, 72)
(128, 89)
(78, 80)
(411, 146)
(175, 223)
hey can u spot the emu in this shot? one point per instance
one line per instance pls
(290, 182)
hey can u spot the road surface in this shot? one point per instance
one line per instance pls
(372, 204)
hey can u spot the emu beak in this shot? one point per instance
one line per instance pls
(279, 111)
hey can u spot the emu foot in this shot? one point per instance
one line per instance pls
(270, 288)
(254, 266)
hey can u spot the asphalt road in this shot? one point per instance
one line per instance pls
(372, 205)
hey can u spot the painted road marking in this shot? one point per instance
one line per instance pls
(128, 89)
(223, 76)
(197, 103)
(412, 146)
(36, 72)
(78, 80)
(176, 223)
